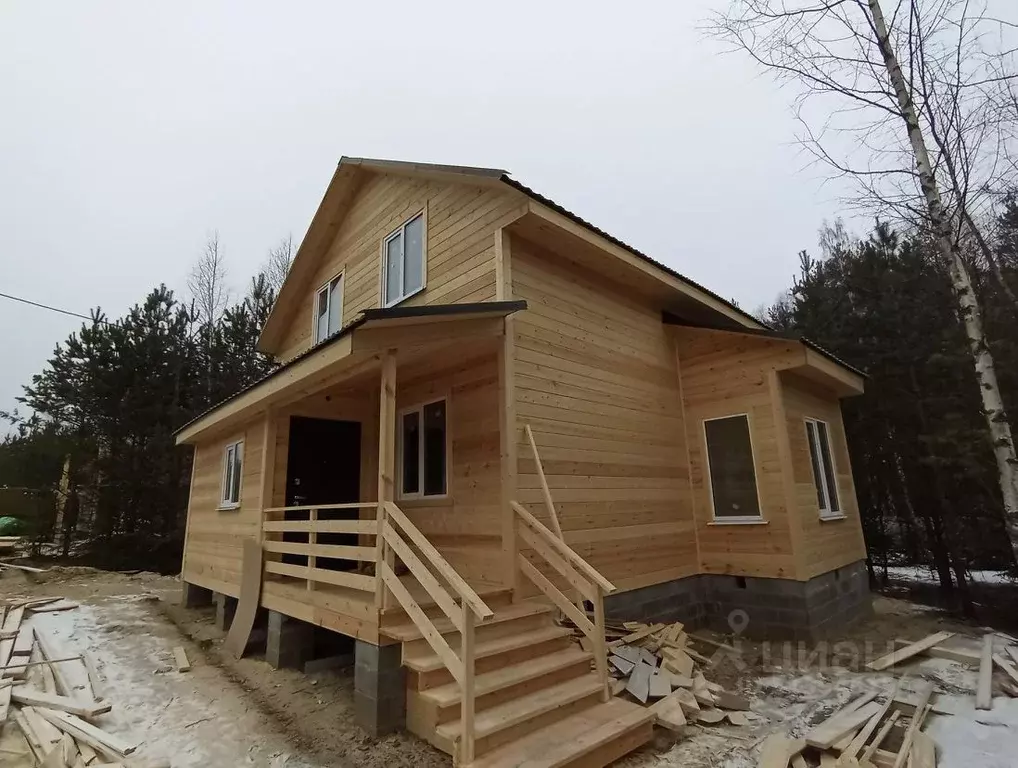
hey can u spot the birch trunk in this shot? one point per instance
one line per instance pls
(968, 305)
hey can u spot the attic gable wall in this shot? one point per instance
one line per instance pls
(461, 222)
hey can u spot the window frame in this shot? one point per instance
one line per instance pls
(418, 408)
(820, 483)
(400, 231)
(326, 286)
(226, 476)
(732, 519)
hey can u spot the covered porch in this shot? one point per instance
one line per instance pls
(399, 417)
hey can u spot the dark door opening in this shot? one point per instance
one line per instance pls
(323, 466)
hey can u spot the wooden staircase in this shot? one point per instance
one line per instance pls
(537, 700)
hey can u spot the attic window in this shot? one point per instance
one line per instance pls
(329, 309)
(403, 262)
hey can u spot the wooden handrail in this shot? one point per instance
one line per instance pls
(563, 549)
(463, 616)
(545, 490)
(464, 590)
(366, 527)
(309, 507)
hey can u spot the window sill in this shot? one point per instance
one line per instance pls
(228, 507)
(832, 518)
(426, 501)
(738, 521)
(401, 299)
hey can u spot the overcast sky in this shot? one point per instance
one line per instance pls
(129, 131)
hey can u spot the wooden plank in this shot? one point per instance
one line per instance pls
(824, 735)
(622, 665)
(639, 682)
(984, 693)
(323, 575)
(86, 732)
(578, 562)
(1007, 667)
(896, 657)
(466, 593)
(180, 659)
(24, 694)
(62, 677)
(31, 738)
(95, 680)
(668, 714)
(466, 750)
(660, 685)
(250, 599)
(339, 551)
(570, 574)
(423, 622)
(913, 729)
(924, 751)
(1012, 651)
(879, 738)
(961, 655)
(363, 527)
(61, 605)
(860, 739)
(423, 575)
(555, 595)
(778, 749)
(728, 700)
(5, 702)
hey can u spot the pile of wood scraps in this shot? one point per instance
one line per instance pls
(53, 697)
(656, 665)
(880, 729)
(8, 543)
(996, 653)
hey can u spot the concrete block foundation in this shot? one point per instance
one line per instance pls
(193, 596)
(226, 607)
(379, 688)
(756, 607)
(289, 642)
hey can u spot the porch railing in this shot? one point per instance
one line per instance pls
(312, 550)
(402, 537)
(590, 584)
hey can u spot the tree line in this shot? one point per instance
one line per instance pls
(96, 441)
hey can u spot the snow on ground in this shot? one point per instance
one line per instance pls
(194, 719)
(972, 738)
(924, 575)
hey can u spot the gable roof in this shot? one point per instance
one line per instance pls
(343, 186)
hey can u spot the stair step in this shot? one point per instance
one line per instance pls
(430, 662)
(449, 694)
(408, 631)
(525, 708)
(596, 736)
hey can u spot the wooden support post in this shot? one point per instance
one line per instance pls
(467, 696)
(386, 468)
(507, 456)
(312, 540)
(600, 647)
(268, 468)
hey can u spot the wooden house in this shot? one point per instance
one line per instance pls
(486, 406)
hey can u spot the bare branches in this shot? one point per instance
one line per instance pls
(207, 282)
(277, 263)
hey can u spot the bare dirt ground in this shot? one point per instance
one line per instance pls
(227, 712)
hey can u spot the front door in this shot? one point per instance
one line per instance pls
(323, 466)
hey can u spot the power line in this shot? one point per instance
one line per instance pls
(51, 309)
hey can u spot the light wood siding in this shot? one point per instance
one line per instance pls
(465, 526)
(214, 542)
(459, 246)
(724, 374)
(595, 378)
(826, 544)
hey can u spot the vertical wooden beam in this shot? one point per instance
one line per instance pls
(312, 540)
(503, 266)
(268, 468)
(689, 460)
(600, 647)
(386, 465)
(796, 530)
(466, 752)
(508, 431)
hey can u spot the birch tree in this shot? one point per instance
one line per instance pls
(911, 109)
